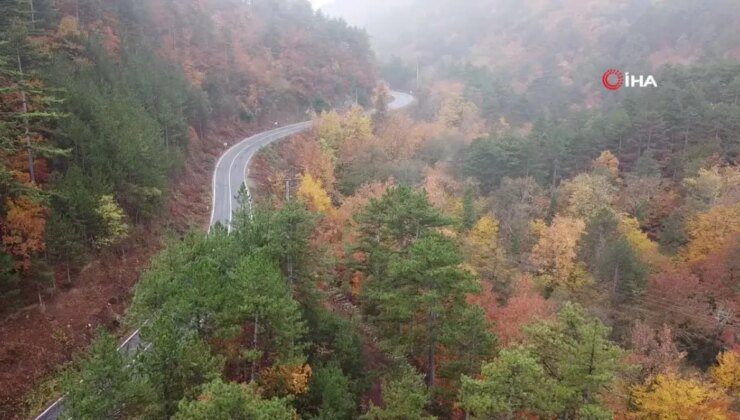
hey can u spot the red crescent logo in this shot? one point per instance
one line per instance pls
(608, 84)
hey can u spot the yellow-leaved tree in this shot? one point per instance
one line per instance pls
(608, 163)
(556, 251)
(481, 247)
(113, 217)
(313, 194)
(356, 126)
(714, 186)
(712, 230)
(587, 195)
(343, 136)
(285, 379)
(458, 113)
(727, 372)
(672, 397)
(647, 251)
(329, 130)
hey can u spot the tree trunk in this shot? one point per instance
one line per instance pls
(586, 395)
(26, 127)
(69, 275)
(254, 346)
(33, 15)
(430, 350)
(615, 280)
(509, 410)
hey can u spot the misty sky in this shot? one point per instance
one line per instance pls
(319, 3)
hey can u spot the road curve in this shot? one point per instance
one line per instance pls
(231, 169)
(228, 177)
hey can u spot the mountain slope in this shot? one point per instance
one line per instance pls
(126, 103)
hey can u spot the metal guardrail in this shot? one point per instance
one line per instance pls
(129, 347)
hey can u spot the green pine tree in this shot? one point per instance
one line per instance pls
(513, 383)
(576, 353)
(103, 386)
(175, 364)
(266, 302)
(419, 301)
(219, 400)
(404, 395)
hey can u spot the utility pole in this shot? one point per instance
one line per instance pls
(288, 182)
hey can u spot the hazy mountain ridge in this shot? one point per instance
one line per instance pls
(567, 42)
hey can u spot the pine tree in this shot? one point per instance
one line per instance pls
(267, 303)
(175, 364)
(420, 300)
(219, 400)
(381, 98)
(404, 395)
(468, 218)
(611, 258)
(575, 351)
(332, 391)
(511, 385)
(104, 386)
(27, 106)
(391, 223)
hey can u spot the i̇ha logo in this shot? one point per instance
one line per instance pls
(614, 79)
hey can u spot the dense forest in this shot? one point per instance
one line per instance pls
(103, 107)
(520, 243)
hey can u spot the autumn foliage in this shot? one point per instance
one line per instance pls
(555, 253)
(23, 230)
(508, 318)
(670, 396)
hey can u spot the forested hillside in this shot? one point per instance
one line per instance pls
(101, 106)
(411, 266)
(520, 243)
(606, 269)
(521, 58)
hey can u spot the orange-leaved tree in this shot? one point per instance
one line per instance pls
(23, 230)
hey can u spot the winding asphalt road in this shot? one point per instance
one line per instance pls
(228, 177)
(231, 170)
